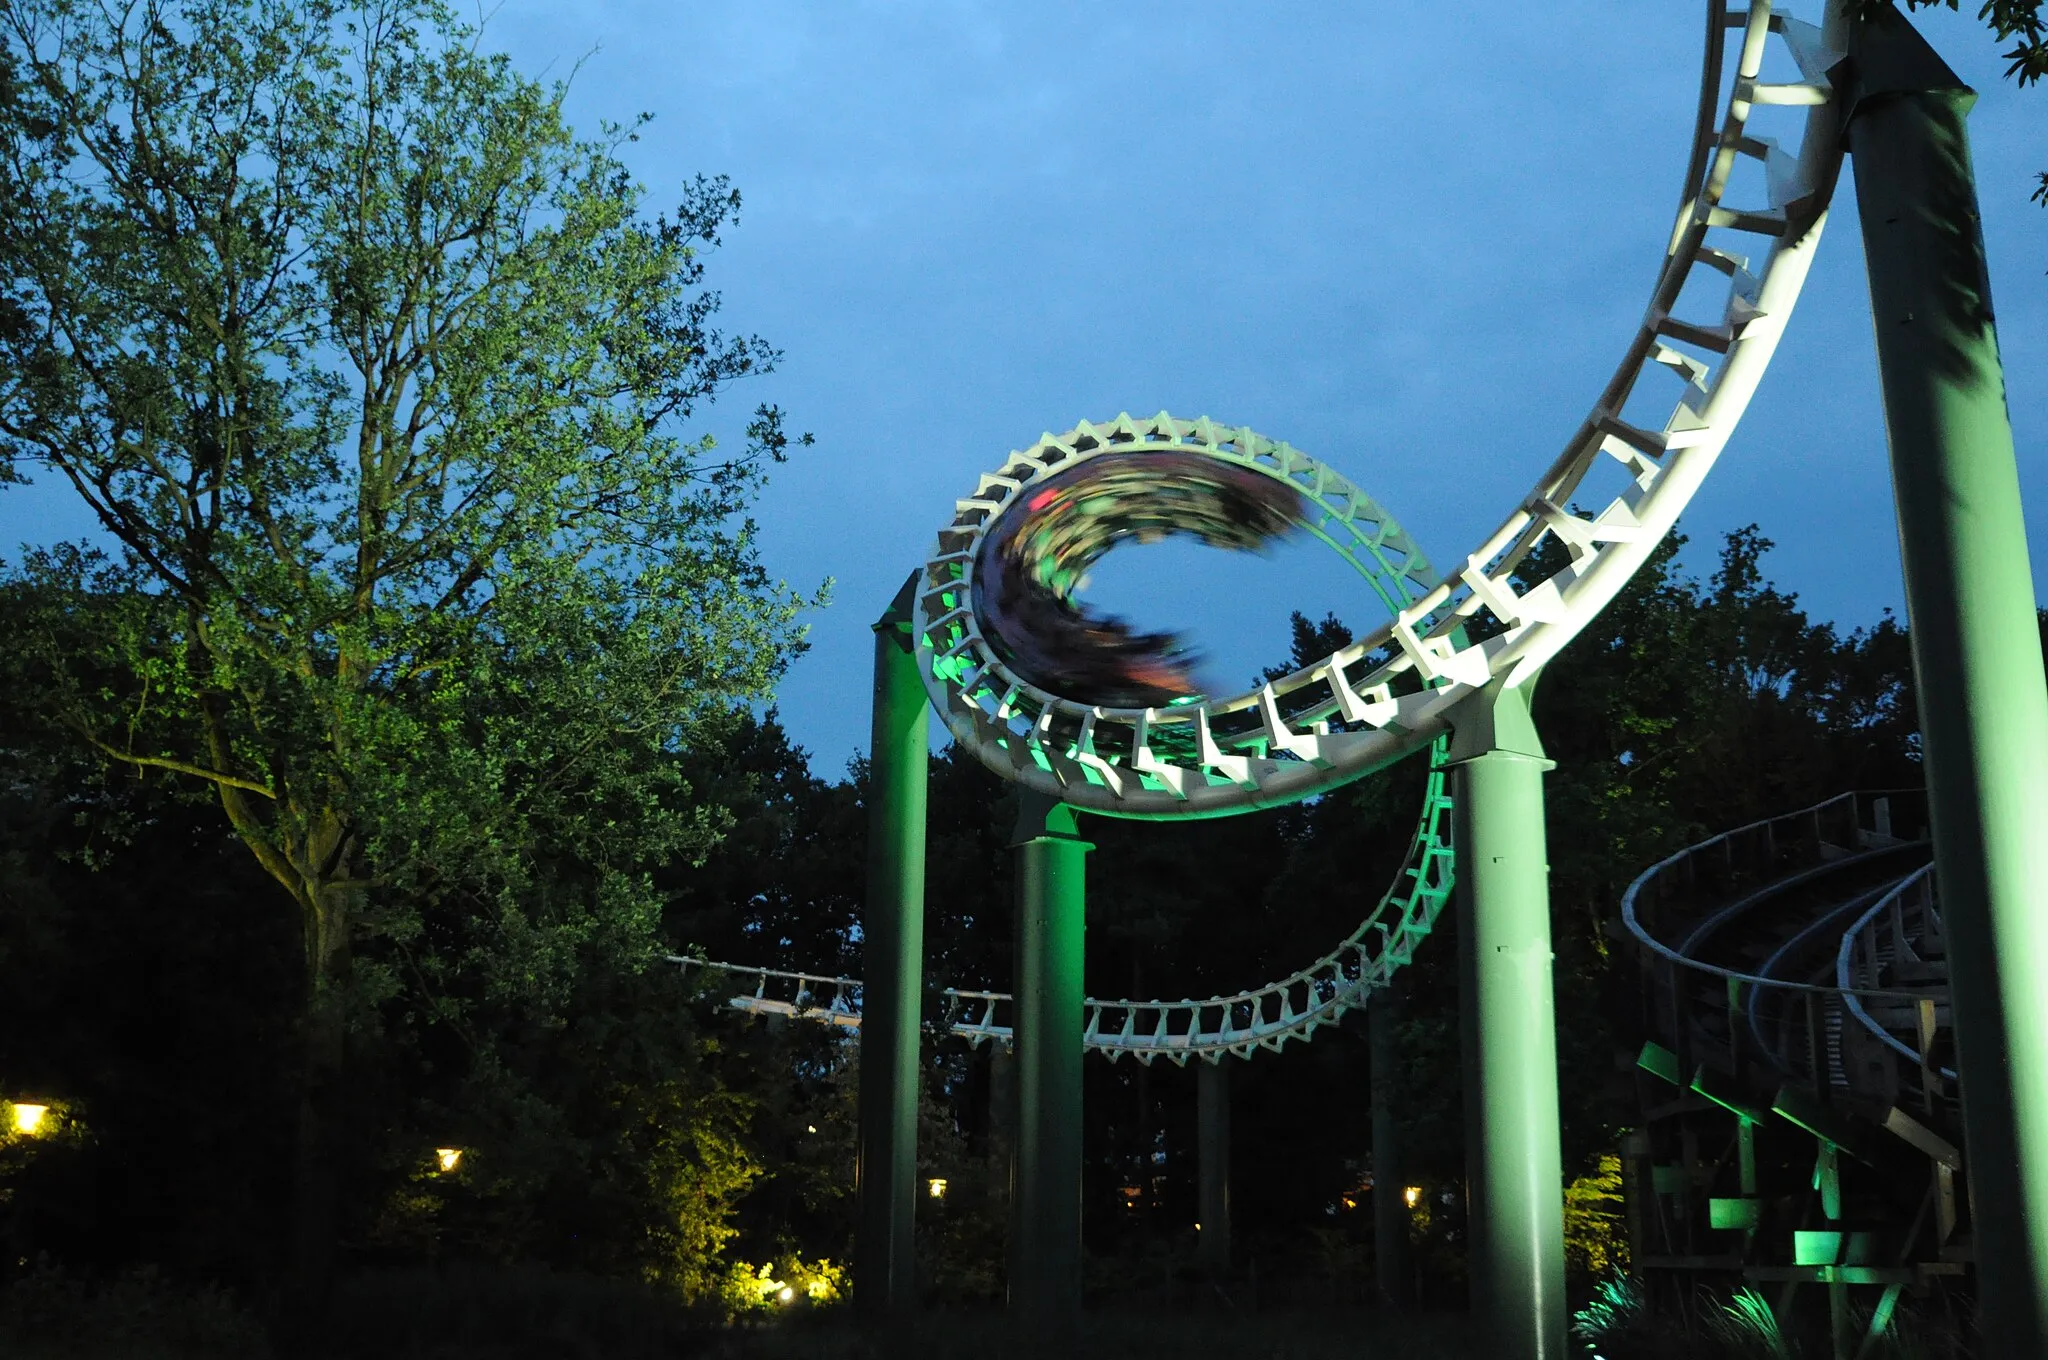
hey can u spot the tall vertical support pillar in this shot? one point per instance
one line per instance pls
(1045, 1205)
(1513, 1166)
(1390, 1212)
(1976, 658)
(892, 963)
(1212, 1152)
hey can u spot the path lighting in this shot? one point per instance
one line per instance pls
(936, 1187)
(448, 1159)
(1412, 1194)
(787, 1294)
(28, 1119)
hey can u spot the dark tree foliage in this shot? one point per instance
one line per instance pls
(378, 378)
(2016, 21)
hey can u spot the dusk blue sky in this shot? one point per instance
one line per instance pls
(1410, 240)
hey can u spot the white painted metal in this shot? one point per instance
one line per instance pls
(1208, 1029)
(1392, 691)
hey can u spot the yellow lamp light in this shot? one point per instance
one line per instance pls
(1412, 1194)
(448, 1159)
(936, 1187)
(29, 1118)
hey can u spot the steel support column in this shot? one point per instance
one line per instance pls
(1045, 1205)
(892, 968)
(1513, 1167)
(1976, 655)
(1212, 1153)
(1390, 1212)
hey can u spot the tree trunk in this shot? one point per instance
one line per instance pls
(329, 915)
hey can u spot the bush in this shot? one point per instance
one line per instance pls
(1618, 1325)
(473, 1312)
(136, 1316)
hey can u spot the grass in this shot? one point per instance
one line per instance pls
(48, 1315)
(1118, 1335)
(514, 1313)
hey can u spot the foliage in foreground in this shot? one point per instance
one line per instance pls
(1619, 1324)
(378, 378)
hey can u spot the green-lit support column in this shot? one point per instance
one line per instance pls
(1513, 1168)
(892, 964)
(1212, 1155)
(1045, 1206)
(1970, 604)
(1391, 1214)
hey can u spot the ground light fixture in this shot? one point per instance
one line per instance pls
(447, 1159)
(29, 1117)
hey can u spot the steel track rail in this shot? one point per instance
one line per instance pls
(1887, 907)
(1209, 1029)
(1857, 941)
(1392, 691)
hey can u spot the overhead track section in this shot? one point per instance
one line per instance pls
(1499, 613)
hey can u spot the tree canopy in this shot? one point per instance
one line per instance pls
(379, 377)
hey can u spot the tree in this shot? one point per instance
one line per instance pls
(375, 373)
(2016, 21)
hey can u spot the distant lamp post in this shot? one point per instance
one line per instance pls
(29, 1118)
(787, 1295)
(448, 1159)
(1412, 1194)
(936, 1187)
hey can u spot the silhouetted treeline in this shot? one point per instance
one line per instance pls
(615, 1120)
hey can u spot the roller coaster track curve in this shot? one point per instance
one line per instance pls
(1391, 692)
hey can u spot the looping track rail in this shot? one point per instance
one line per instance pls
(1209, 1030)
(1392, 692)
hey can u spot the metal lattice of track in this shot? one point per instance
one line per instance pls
(1724, 291)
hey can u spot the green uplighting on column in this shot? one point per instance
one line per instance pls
(892, 931)
(1514, 1169)
(1976, 657)
(1045, 1205)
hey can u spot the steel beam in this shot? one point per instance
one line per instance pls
(1045, 1205)
(1390, 1212)
(1212, 1152)
(1976, 655)
(892, 963)
(1514, 1171)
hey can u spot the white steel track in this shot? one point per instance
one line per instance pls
(1208, 1029)
(1392, 691)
